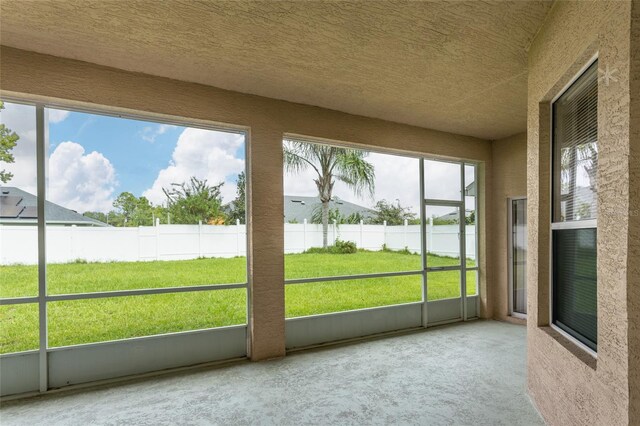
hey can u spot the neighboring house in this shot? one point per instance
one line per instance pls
(18, 207)
(297, 209)
(470, 190)
(452, 217)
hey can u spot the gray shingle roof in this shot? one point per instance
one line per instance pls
(297, 209)
(20, 207)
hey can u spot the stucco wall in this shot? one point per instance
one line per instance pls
(509, 174)
(74, 83)
(633, 273)
(568, 386)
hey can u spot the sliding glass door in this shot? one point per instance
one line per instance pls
(518, 256)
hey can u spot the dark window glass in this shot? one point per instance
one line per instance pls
(574, 289)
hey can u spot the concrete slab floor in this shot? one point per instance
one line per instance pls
(465, 374)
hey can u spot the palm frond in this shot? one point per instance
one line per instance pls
(352, 169)
(298, 157)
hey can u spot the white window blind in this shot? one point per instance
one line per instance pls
(575, 134)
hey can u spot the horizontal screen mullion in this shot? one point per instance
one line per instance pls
(18, 300)
(142, 292)
(351, 277)
(446, 268)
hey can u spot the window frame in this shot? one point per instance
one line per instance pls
(462, 268)
(43, 298)
(510, 268)
(565, 225)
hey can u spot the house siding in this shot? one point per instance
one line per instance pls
(569, 387)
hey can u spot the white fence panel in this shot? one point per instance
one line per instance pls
(404, 236)
(18, 244)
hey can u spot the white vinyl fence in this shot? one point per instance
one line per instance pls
(18, 244)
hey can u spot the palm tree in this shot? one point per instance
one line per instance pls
(330, 164)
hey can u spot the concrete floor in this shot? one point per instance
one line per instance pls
(464, 374)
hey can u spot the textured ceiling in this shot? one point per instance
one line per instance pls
(452, 66)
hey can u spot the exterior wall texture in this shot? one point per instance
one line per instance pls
(569, 386)
(73, 83)
(633, 273)
(509, 166)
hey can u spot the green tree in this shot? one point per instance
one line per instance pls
(8, 140)
(132, 210)
(237, 209)
(470, 218)
(336, 216)
(393, 214)
(330, 164)
(194, 201)
(126, 204)
(102, 217)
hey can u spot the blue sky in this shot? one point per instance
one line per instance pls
(93, 158)
(134, 147)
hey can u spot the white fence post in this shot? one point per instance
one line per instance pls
(429, 236)
(304, 235)
(361, 234)
(384, 230)
(404, 237)
(158, 238)
(72, 245)
(238, 237)
(199, 238)
(139, 243)
(335, 231)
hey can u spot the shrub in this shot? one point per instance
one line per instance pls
(345, 247)
(340, 247)
(405, 250)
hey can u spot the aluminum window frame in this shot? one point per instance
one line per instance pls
(574, 224)
(423, 203)
(42, 299)
(510, 271)
(462, 208)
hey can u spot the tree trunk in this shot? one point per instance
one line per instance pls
(325, 223)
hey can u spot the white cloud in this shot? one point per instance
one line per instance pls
(22, 120)
(205, 154)
(79, 181)
(150, 133)
(56, 115)
(76, 180)
(397, 178)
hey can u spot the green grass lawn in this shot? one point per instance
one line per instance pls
(94, 320)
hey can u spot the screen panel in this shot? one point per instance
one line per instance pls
(338, 296)
(18, 202)
(97, 320)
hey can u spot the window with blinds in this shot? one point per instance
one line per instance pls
(574, 229)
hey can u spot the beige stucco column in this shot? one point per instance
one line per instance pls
(568, 385)
(633, 271)
(266, 244)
